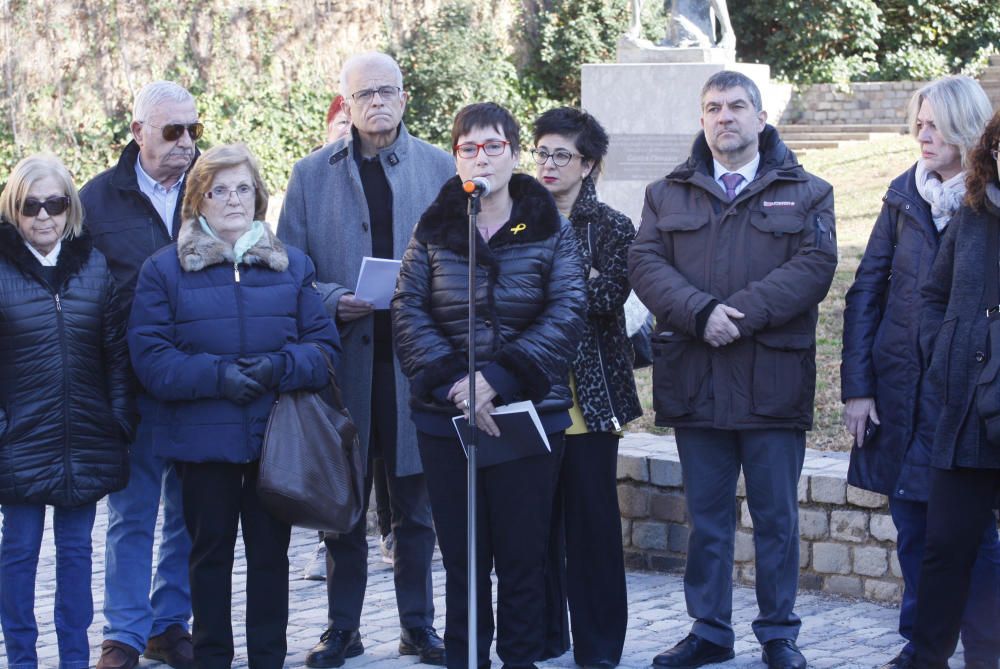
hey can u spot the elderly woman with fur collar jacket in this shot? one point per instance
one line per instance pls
(530, 304)
(222, 320)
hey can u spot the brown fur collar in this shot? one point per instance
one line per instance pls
(198, 250)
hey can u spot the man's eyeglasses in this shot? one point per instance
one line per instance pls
(53, 205)
(494, 147)
(173, 131)
(365, 96)
(223, 194)
(560, 157)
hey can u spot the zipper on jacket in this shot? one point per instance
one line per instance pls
(243, 346)
(67, 460)
(600, 355)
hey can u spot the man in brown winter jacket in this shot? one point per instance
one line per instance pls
(735, 250)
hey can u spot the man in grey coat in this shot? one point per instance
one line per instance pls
(361, 196)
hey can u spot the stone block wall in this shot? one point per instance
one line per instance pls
(857, 104)
(847, 538)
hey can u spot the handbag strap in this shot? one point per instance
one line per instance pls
(992, 272)
(333, 388)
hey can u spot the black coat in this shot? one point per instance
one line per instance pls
(65, 407)
(530, 301)
(881, 356)
(953, 328)
(605, 382)
(126, 226)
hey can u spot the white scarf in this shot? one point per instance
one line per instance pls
(944, 197)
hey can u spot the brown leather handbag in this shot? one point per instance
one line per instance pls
(312, 469)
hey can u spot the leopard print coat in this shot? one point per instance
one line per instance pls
(605, 384)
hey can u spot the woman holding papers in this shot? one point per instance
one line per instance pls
(569, 146)
(222, 321)
(530, 302)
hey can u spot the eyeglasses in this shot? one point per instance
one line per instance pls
(223, 194)
(560, 157)
(494, 147)
(53, 205)
(365, 96)
(173, 131)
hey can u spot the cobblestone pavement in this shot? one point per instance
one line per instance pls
(836, 632)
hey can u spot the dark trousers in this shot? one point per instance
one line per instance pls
(412, 526)
(219, 497)
(587, 522)
(771, 461)
(514, 508)
(959, 509)
(382, 505)
(981, 617)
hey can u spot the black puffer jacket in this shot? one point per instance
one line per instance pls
(530, 301)
(605, 383)
(65, 407)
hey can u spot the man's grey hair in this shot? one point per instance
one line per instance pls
(961, 110)
(368, 58)
(155, 93)
(726, 79)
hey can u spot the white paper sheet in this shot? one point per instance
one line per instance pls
(377, 281)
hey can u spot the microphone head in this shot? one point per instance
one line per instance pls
(477, 186)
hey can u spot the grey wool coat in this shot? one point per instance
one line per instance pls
(326, 215)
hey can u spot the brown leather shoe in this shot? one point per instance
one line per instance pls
(117, 655)
(173, 647)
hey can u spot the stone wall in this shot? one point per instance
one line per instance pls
(860, 103)
(847, 538)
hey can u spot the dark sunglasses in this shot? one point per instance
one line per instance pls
(54, 206)
(173, 131)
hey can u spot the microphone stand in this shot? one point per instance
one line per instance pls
(474, 206)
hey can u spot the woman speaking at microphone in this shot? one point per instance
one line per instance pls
(530, 302)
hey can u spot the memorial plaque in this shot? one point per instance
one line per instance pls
(645, 157)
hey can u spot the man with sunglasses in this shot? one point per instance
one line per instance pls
(361, 196)
(132, 210)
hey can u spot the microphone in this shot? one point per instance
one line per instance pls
(477, 187)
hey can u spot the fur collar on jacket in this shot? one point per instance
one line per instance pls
(446, 222)
(197, 250)
(72, 257)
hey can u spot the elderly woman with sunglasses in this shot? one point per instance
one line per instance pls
(569, 146)
(222, 320)
(65, 410)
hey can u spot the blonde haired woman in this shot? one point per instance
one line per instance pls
(65, 409)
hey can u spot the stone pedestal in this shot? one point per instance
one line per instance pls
(651, 112)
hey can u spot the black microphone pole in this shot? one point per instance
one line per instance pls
(474, 206)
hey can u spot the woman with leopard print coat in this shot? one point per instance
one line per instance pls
(569, 146)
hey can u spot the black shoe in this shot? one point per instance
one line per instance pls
(902, 661)
(422, 641)
(782, 654)
(333, 647)
(693, 652)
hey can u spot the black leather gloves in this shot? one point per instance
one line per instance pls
(238, 387)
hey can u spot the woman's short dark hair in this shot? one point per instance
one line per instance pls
(982, 168)
(486, 115)
(586, 132)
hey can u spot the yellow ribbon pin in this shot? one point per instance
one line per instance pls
(518, 228)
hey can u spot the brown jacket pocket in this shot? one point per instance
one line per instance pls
(680, 367)
(784, 374)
